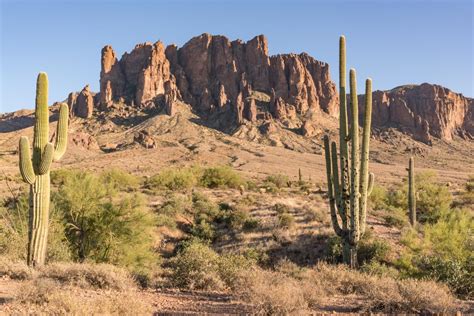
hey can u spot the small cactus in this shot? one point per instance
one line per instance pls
(300, 176)
(35, 169)
(411, 192)
(348, 191)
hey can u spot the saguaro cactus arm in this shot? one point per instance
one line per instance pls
(46, 159)
(330, 178)
(26, 166)
(337, 185)
(371, 183)
(343, 131)
(364, 164)
(355, 156)
(61, 132)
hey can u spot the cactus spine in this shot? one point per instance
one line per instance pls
(411, 192)
(35, 169)
(348, 191)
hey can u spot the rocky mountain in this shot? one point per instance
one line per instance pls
(234, 83)
(425, 111)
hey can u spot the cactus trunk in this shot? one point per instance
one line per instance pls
(411, 192)
(38, 220)
(35, 170)
(348, 194)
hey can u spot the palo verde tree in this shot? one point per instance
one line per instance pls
(35, 169)
(348, 190)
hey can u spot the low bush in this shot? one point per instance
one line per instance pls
(175, 179)
(120, 180)
(197, 266)
(395, 217)
(174, 205)
(272, 293)
(85, 275)
(286, 220)
(369, 250)
(432, 198)
(45, 296)
(291, 289)
(221, 176)
(466, 196)
(101, 229)
(442, 251)
(378, 199)
(372, 250)
(15, 269)
(279, 180)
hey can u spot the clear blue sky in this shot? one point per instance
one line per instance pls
(394, 42)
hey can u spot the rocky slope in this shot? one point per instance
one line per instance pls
(230, 84)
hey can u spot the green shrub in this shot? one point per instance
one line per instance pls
(174, 205)
(333, 249)
(443, 251)
(204, 230)
(251, 224)
(369, 250)
(102, 229)
(175, 179)
(204, 208)
(221, 176)
(378, 198)
(457, 274)
(372, 250)
(433, 198)
(237, 217)
(286, 220)
(206, 214)
(466, 197)
(279, 180)
(379, 269)
(120, 180)
(270, 187)
(197, 266)
(396, 217)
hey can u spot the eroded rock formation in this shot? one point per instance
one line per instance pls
(216, 75)
(424, 110)
(224, 82)
(81, 104)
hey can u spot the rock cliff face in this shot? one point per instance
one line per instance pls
(218, 76)
(140, 76)
(424, 110)
(229, 83)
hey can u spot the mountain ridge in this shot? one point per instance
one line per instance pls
(230, 84)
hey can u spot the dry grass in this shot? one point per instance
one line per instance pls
(271, 292)
(100, 276)
(45, 296)
(293, 290)
(72, 288)
(16, 270)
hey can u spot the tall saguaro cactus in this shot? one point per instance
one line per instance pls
(348, 190)
(35, 169)
(411, 192)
